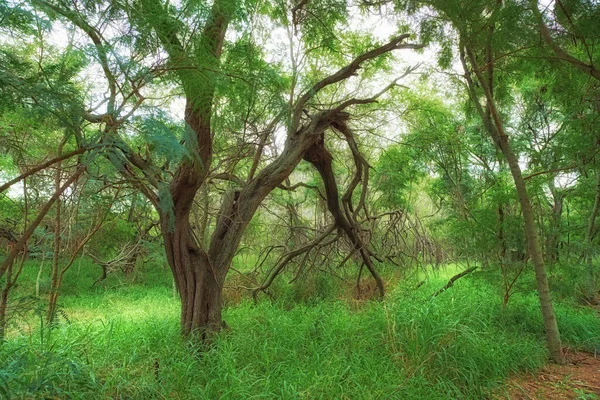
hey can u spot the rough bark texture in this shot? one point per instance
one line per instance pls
(196, 281)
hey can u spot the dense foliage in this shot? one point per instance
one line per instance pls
(266, 165)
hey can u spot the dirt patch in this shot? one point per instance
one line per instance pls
(578, 379)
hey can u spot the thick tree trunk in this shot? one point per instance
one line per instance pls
(196, 281)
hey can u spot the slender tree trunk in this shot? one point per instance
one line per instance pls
(553, 236)
(500, 137)
(4, 303)
(56, 256)
(589, 253)
(535, 252)
(11, 276)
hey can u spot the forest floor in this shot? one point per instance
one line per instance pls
(120, 339)
(578, 379)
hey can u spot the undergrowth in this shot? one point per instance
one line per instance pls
(122, 341)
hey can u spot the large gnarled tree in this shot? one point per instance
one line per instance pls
(194, 63)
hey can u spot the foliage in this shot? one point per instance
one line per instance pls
(124, 341)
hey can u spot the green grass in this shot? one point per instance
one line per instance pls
(123, 342)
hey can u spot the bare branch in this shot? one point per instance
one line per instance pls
(285, 259)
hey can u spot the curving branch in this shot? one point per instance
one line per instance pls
(346, 72)
(27, 234)
(42, 166)
(286, 258)
(561, 53)
(320, 157)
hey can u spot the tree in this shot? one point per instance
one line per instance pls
(202, 64)
(482, 32)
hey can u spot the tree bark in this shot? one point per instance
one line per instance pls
(321, 159)
(196, 281)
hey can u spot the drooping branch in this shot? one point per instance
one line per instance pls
(361, 172)
(561, 53)
(321, 159)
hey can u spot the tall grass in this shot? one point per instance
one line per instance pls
(123, 342)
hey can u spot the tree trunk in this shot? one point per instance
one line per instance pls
(4, 303)
(196, 279)
(195, 274)
(535, 252)
(500, 138)
(589, 254)
(553, 238)
(54, 283)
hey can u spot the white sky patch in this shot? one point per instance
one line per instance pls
(565, 180)
(279, 137)
(15, 191)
